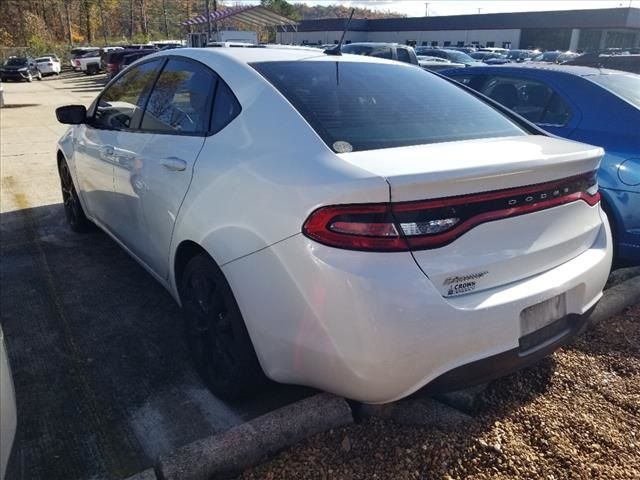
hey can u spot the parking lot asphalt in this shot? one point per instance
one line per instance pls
(102, 377)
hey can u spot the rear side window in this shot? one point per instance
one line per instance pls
(626, 86)
(181, 99)
(535, 101)
(225, 107)
(364, 106)
(403, 55)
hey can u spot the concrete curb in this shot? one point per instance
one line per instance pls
(621, 275)
(231, 452)
(616, 299)
(148, 474)
(423, 411)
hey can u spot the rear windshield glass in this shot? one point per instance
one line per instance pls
(624, 86)
(364, 106)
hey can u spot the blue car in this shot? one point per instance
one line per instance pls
(595, 106)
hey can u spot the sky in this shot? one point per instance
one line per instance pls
(417, 8)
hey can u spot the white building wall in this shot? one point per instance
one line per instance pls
(318, 37)
(453, 36)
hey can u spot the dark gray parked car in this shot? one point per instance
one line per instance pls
(20, 68)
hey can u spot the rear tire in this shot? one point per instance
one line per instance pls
(216, 335)
(39, 77)
(76, 219)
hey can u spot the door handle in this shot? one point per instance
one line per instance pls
(107, 151)
(174, 164)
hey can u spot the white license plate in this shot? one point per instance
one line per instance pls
(542, 314)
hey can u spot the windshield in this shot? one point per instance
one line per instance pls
(625, 86)
(380, 51)
(459, 57)
(546, 57)
(357, 106)
(16, 62)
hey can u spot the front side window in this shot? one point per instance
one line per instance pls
(181, 99)
(364, 106)
(120, 105)
(535, 101)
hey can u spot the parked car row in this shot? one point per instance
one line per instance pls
(379, 267)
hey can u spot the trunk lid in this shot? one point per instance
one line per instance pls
(531, 221)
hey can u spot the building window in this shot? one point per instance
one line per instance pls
(545, 38)
(434, 43)
(506, 45)
(460, 44)
(411, 43)
(491, 44)
(447, 43)
(425, 44)
(476, 43)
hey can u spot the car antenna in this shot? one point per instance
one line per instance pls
(337, 49)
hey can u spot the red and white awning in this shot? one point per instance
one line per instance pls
(252, 14)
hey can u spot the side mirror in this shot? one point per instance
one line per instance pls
(72, 114)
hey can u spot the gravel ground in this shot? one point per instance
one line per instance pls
(575, 415)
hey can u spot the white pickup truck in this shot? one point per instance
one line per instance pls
(91, 62)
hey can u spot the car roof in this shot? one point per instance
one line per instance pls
(577, 70)
(273, 54)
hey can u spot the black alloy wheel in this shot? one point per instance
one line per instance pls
(76, 218)
(218, 341)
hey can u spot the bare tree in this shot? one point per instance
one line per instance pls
(143, 17)
(164, 18)
(66, 9)
(87, 13)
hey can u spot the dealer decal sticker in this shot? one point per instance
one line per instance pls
(463, 283)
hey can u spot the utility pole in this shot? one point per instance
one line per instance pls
(426, 9)
(215, 9)
(479, 11)
(206, 12)
(66, 9)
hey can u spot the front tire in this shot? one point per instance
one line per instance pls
(76, 219)
(39, 77)
(216, 335)
(30, 78)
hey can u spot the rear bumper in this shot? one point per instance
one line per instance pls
(372, 327)
(546, 341)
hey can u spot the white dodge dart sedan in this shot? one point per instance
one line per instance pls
(339, 221)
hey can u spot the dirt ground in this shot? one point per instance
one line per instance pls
(575, 416)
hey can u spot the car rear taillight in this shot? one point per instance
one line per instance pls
(426, 224)
(112, 67)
